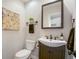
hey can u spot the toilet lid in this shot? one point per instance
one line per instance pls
(23, 53)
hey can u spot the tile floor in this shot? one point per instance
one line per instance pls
(34, 54)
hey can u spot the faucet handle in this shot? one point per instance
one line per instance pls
(51, 37)
(56, 37)
(46, 37)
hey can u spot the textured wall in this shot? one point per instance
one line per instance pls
(33, 8)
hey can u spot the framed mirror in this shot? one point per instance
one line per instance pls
(52, 15)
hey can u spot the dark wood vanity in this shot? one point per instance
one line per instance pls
(46, 52)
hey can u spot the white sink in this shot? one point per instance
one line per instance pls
(52, 43)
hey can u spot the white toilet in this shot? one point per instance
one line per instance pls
(25, 53)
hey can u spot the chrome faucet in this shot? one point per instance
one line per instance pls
(51, 37)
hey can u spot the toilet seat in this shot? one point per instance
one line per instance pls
(23, 53)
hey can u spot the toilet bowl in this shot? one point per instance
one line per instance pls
(25, 53)
(22, 54)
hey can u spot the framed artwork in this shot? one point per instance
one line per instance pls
(10, 20)
(54, 20)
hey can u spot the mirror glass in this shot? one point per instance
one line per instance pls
(52, 15)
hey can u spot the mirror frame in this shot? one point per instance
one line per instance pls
(61, 15)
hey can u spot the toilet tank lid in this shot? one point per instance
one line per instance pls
(30, 41)
(23, 53)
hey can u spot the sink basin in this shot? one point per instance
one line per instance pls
(52, 43)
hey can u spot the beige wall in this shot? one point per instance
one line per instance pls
(13, 41)
(33, 8)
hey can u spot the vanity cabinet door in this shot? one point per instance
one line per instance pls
(43, 51)
(57, 52)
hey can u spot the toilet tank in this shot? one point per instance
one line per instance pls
(30, 44)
